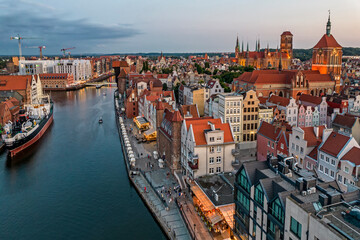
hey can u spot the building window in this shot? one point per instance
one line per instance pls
(211, 170)
(322, 156)
(340, 178)
(332, 174)
(321, 169)
(211, 160)
(326, 171)
(243, 181)
(295, 227)
(327, 159)
(272, 145)
(212, 139)
(218, 138)
(282, 146)
(212, 149)
(218, 169)
(218, 159)
(346, 169)
(333, 162)
(218, 149)
(259, 195)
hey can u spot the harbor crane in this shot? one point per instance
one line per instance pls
(19, 38)
(40, 47)
(65, 49)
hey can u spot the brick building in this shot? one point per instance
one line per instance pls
(9, 111)
(169, 136)
(56, 81)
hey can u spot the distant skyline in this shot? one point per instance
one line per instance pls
(113, 26)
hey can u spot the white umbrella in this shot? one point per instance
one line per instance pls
(128, 145)
(127, 141)
(130, 152)
(129, 149)
(131, 156)
(132, 160)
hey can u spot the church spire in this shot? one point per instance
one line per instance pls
(258, 47)
(247, 47)
(242, 46)
(237, 43)
(328, 26)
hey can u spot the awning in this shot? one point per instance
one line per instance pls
(206, 204)
(214, 217)
(228, 212)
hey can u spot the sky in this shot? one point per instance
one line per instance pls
(133, 26)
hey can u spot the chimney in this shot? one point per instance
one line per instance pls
(316, 131)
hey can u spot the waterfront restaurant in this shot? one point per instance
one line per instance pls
(214, 202)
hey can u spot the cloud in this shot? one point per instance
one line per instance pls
(54, 31)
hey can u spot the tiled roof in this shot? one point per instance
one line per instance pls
(14, 82)
(268, 130)
(327, 41)
(347, 121)
(192, 109)
(310, 136)
(310, 99)
(353, 156)
(314, 153)
(279, 100)
(199, 125)
(334, 143)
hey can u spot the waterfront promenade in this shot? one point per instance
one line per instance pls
(155, 185)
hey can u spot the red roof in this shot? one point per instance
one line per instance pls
(199, 125)
(334, 143)
(268, 130)
(353, 156)
(327, 41)
(286, 33)
(347, 121)
(310, 136)
(310, 99)
(14, 82)
(279, 100)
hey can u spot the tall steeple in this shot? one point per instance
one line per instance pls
(280, 63)
(242, 46)
(328, 26)
(247, 47)
(258, 47)
(237, 43)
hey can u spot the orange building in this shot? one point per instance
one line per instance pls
(327, 56)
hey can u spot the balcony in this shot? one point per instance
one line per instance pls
(193, 166)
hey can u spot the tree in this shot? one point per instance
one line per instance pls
(165, 86)
(207, 65)
(145, 67)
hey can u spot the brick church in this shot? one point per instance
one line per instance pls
(322, 79)
(266, 59)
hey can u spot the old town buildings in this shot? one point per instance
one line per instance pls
(54, 81)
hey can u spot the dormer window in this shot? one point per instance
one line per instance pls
(212, 139)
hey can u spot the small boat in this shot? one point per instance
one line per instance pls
(98, 86)
(100, 120)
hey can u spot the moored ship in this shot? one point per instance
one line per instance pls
(33, 122)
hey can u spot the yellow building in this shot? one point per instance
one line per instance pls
(250, 116)
(265, 114)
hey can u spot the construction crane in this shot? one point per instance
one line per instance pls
(40, 47)
(65, 49)
(19, 40)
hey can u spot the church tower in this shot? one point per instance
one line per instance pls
(286, 44)
(327, 56)
(237, 48)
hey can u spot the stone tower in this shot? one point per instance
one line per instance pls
(237, 48)
(286, 43)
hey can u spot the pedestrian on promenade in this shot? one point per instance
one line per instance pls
(145, 189)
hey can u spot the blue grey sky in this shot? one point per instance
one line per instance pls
(118, 26)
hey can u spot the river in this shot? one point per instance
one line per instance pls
(73, 184)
